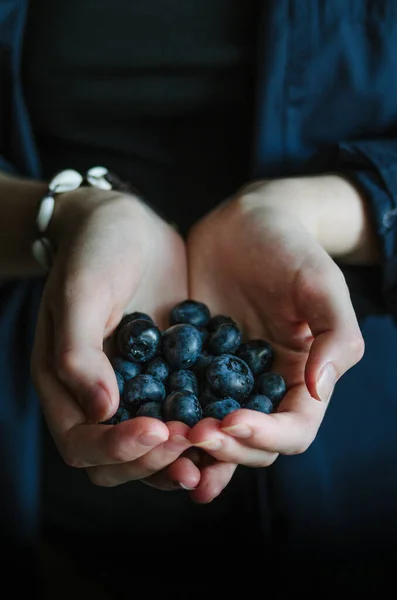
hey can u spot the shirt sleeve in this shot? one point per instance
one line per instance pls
(372, 166)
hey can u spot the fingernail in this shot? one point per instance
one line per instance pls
(210, 445)
(177, 443)
(326, 382)
(240, 431)
(177, 485)
(185, 487)
(151, 439)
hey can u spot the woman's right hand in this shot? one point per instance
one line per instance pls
(114, 255)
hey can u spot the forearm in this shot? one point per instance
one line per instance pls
(331, 208)
(18, 207)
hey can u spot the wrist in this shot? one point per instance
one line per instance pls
(68, 185)
(72, 209)
(330, 208)
(72, 199)
(344, 225)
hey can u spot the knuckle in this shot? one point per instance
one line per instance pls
(308, 429)
(299, 448)
(100, 477)
(67, 364)
(72, 461)
(267, 462)
(272, 459)
(67, 450)
(304, 444)
(357, 346)
(118, 452)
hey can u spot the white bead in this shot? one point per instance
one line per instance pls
(66, 181)
(42, 252)
(96, 176)
(102, 184)
(45, 213)
(97, 172)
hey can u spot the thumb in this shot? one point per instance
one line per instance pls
(338, 344)
(80, 362)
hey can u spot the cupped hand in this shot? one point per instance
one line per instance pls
(254, 261)
(114, 255)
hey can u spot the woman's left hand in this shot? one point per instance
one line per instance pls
(255, 261)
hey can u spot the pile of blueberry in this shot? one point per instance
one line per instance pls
(198, 367)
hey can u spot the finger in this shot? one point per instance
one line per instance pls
(180, 475)
(338, 344)
(80, 363)
(60, 409)
(148, 464)
(291, 430)
(215, 476)
(208, 435)
(87, 445)
(81, 444)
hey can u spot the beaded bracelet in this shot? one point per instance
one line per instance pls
(67, 181)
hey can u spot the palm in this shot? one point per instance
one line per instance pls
(257, 263)
(267, 273)
(162, 278)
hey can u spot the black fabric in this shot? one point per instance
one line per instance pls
(160, 91)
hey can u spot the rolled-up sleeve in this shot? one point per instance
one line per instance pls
(372, 166)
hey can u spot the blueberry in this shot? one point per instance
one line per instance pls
(120, 381)
(203, 360)
(126, 368)
(260, 403)
(225, 339)
(132, 317)
(138, 340)
(206, 396)
(200, 366)
(221, 408)
(258, 354)
(140, 315)
(143, 388)
(182, 406)
(229, 376)
(218, 320)
(204, 334)
(151, 409)
(271, 385)
(190, 312)
(181, 345)
(122, 414)
(159, 368)
(183, 379)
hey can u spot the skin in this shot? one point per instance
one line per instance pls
(254, 258)
(114, 255)
(261, 262)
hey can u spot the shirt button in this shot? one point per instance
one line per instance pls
(390, 218)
